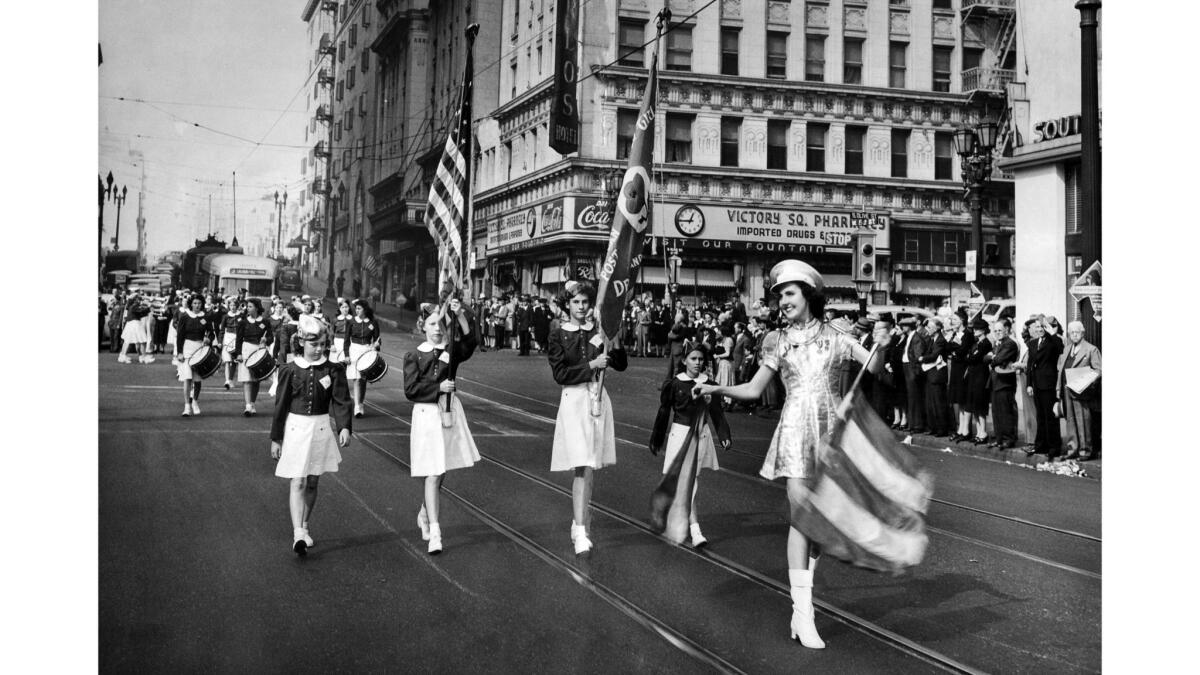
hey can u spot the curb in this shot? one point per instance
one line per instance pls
(1012, 457)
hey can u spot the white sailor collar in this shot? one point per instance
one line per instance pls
(194, 316)
(303, 363)
(358, 320)
(572, 327)
(427, 347)
(684, 377)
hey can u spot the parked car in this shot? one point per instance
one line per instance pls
(1001, 308)
(898, 312)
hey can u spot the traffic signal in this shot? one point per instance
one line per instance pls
(864, 257)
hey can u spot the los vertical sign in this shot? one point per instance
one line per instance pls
(564, 106)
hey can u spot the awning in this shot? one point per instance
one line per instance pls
(948, 269)
(552, 274)
(711, 278)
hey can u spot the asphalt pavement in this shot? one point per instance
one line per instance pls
(196, 571)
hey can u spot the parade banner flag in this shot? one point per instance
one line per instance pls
(449, 196)
(632, 216)
(869, 496)
(671, 501)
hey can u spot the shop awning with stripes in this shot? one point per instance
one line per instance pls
(709, 278)
(949, 269)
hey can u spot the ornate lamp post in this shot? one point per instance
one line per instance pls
(279, 204)
(104, 193)
(118, 199)
(974, 147)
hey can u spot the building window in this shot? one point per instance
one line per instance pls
(631, 35)
(777, 55)
(815, 153)
(626, 121)
(513, 79)
(942, 4)
(729, 51)
(539, 60)
(777, 144)
(342, 51)
(900, 153)
(897, 64)
(971, 58)
(679, 138)
(679, 48)
(730, 132)
(814, 58)
(943, 156)
(855, 137)
(852, 68)
(353, 35)
(941, 68)
(1071, 183)
(912, 247)
(950, 250)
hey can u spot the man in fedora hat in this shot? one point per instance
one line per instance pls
(522, 323)
(913, 345)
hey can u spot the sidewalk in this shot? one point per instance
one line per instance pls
(1092, 468)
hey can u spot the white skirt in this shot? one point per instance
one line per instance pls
(243, 373)
(433, 449)
(171, 335)
(579, 438)
(182, 369)
(335, 354)
(133, 332)
(228, 342)
(707, 457)
(309, 447)
(725, 372)
(356, 350)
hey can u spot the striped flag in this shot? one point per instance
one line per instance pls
(449, 196)
(632, 217)
(869, 496)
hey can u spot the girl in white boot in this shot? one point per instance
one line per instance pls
(435, 448)
(583, 432)
(803, 354)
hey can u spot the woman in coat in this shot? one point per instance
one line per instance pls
(961, 341)
(1077, 408)
(978, 393)
(435, 448)
(583, 431)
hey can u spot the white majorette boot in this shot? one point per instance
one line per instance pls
(435, 539)
(580, 539)
(698, 539)
(423, 523)
(803, 627)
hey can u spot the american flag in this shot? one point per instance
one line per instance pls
(446, 215)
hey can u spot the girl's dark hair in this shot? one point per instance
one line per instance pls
(257, 304)
(367, 311)
(690, 346)
(814, 298)
(293, 312)
(572, 289)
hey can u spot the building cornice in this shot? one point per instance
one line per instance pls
(1041, 153)
(535, 93)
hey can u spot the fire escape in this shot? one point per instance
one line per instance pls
(321, 150)
(992, 23)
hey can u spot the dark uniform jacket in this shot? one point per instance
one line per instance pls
(312, 389)
(192, 327)
(255, 331)
(570, 350)
(364, 332)
(426, 367)
(677, 406)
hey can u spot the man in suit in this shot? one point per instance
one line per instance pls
(1042, 374)
(1080, 410)
(934, 364)
(882, 389)
(541, 324)
(1004, 385)
(522, 322)
(913, 346)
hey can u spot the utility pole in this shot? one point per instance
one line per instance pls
(1089, 152)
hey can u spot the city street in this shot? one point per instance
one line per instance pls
(196, 571)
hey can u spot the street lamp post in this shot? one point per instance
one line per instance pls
(974, 147)
(118, 199)
(334, 200)
(279, 205)
(104, 193)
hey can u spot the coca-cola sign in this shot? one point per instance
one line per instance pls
(592, 217)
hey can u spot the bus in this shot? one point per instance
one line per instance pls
(234, 271)
(289, 279)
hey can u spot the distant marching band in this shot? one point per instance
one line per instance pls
(319, 369)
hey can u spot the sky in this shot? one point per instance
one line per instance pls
(236, 68)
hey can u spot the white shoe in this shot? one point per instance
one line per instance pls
(187, 410)
(358, 410)
(123, 359)
(435, 539)
(149, 359)
(253, 410)
(247, 412)
(299, 543)
(423, 523)
(228, 384)
(580, 538)
(195, 407)
(307, 539)
(698, 539)
(803, 627)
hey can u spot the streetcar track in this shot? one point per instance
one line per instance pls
(853, 621)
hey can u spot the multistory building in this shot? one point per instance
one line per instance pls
(782, 128)
(1045, 162)
(420, 49)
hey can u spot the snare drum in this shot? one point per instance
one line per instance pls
(371, 366)
(205, 361)
(260, 363)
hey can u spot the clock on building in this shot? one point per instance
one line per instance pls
(689, 220)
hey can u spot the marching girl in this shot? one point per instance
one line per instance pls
(228, 332)
(253, 333)
(583, 441)
(134, 331)
(312, 418)
(337, 354)
(286, 345)
(193, 330)
(804, 354)
(681, 413)
(435, 449)
(362, 335)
